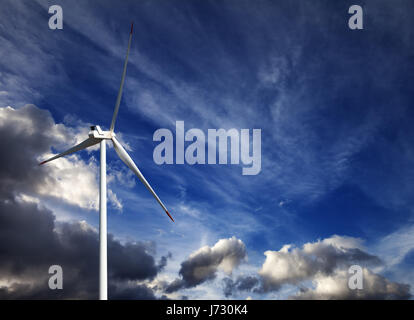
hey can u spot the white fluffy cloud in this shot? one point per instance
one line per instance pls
(321, 271)
(74, 181)
(335, 286)
(291, 265)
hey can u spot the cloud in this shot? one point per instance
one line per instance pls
(396, 245)
(28, 133)
(335, 286)
(203, 264)
(324, 264)
(68, 172)
(242, 283)
(292, 265)
(131, 292)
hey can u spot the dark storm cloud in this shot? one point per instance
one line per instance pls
(242, 283)
(31, 240)
(26, 134)
(131, 292)
(203, 264)
(163, 261)
(130, 261)
(176, 285)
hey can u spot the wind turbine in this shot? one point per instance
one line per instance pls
(96, 135)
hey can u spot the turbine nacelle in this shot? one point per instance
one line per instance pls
(97, 133)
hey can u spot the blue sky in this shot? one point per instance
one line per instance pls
(334, 106)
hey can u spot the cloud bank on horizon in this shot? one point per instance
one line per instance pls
(33, 239)
(335, 188)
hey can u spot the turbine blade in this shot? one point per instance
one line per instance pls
(118, 99)
(83, 145)
(130, 163)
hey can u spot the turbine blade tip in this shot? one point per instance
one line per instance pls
(43, 162)
(169, 216)
(132, 27)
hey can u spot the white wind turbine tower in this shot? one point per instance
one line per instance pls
(96, 135)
